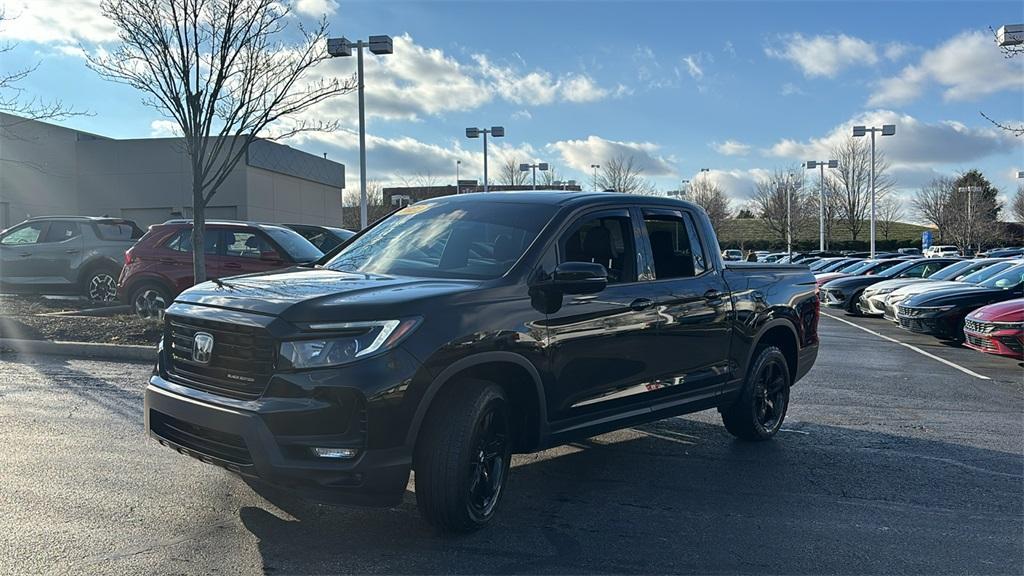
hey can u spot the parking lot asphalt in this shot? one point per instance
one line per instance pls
(890, 462)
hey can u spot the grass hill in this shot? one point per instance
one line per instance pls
(750, 233)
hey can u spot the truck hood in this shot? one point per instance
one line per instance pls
(299, 294)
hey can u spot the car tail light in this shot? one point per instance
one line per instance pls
(129, 256)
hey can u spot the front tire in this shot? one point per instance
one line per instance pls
(759, 411)
(149, 300)
(463, 456)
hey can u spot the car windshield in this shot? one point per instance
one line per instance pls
(857, 266)
(294, 244)
(1007, 280)
(897, 268)
(467, 239)
(956, 269)
(986, 273)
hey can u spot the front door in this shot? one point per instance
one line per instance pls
(599, 343)
(18, 264)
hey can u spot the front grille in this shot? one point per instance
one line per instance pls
(981, 342)
(220, 445)
(917, 324)
(979, 327)
(905, 311)
(240, 364)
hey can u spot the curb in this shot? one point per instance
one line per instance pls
(81, 349)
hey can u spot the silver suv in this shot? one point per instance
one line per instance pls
(81, 253)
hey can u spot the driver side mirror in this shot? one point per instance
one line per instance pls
(579, 278)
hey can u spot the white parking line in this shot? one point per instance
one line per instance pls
(914, 348)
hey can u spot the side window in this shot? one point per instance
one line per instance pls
(245, 244)
(61, 231)
(182, 241)
(674, 245)
(918, 271)
(27, 234)
(606, 240)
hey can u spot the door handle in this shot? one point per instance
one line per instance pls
(640, 304)
(233, 265)
(712, 295)
(168, 261)
(25, 254)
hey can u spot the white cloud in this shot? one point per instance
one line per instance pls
(580, 154)
(316, 8)
(897, 50)
(739, 185)
(64, 22)
(522, 115)
(825, 55)
(790, 89)
(164, 129)
(693, 68)
(917, 150)
(731, 148)
(538, 87)
(967, 67)
(729, 48)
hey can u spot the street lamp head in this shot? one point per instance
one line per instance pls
(381, 45)
(339, 47)
(1020, 174)
(705, 169)
(595, 165)
(859, 131)
(833, 163)
(524, 167)
(810, 164)
(472, 132)
(497, 131)
(543, 166)
(888, 129)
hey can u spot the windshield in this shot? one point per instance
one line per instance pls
(858, 266)
(294, 244)
(897, 268)
(957, 269)
(986, 273)
(476, 239)
(1007, 280)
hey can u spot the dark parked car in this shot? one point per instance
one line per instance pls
(325, 238)
(942, 312)
(81, 254)
(845, 292)
(462, 329)
(160, 265)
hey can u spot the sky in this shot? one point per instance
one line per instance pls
(739, 88)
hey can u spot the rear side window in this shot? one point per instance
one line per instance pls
(182, 241)
(60, 231)
(119, 231)
(676, 251)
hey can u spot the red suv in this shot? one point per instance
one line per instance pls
(159, 266)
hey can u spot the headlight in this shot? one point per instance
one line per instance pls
(1009, 325)
(933, 310)
(348, 342)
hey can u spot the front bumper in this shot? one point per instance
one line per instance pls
(944, 325)
(832, 298)
(1000, 342)
(233, 434)
(873, 306)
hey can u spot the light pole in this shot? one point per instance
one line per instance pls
(342, 47)
(886, 130)
(821, 164)
(542, 166)
(595, 167)
(496, 131)
(789, 218)
(683, 186)
(458, 163)
(970, 205)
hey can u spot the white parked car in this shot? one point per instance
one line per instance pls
(937, 251)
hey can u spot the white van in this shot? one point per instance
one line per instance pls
(938, 251)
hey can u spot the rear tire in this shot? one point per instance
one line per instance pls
(148, 300)
(463, 456)
(100, 283)
(759, 411)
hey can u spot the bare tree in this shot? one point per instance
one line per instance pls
(853, 183)
(963, 219)
(420, 180)
(13, 97)
(929, 203)
(782, 205)
(622, 174)
(1008, 52)
(510, 173)
(1018, 205)
(711, 198)
(890, 211)
(549, 177)
(221, 71)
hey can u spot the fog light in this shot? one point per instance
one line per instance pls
(339, 453)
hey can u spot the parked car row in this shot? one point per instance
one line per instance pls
(106, 258)
(978, 302)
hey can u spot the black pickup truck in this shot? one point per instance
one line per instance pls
(460, 330)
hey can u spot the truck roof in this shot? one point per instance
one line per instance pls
(561, 198)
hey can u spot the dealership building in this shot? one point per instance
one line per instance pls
(47, 169)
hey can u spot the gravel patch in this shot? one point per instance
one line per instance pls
(30, 317)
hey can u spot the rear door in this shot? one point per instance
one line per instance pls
(691, 352)
(175, 258)
(600, 343)
(247, 251)
(58, 254)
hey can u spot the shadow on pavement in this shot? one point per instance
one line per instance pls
(682, 496)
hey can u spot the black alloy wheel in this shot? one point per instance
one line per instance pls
(759, 410)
